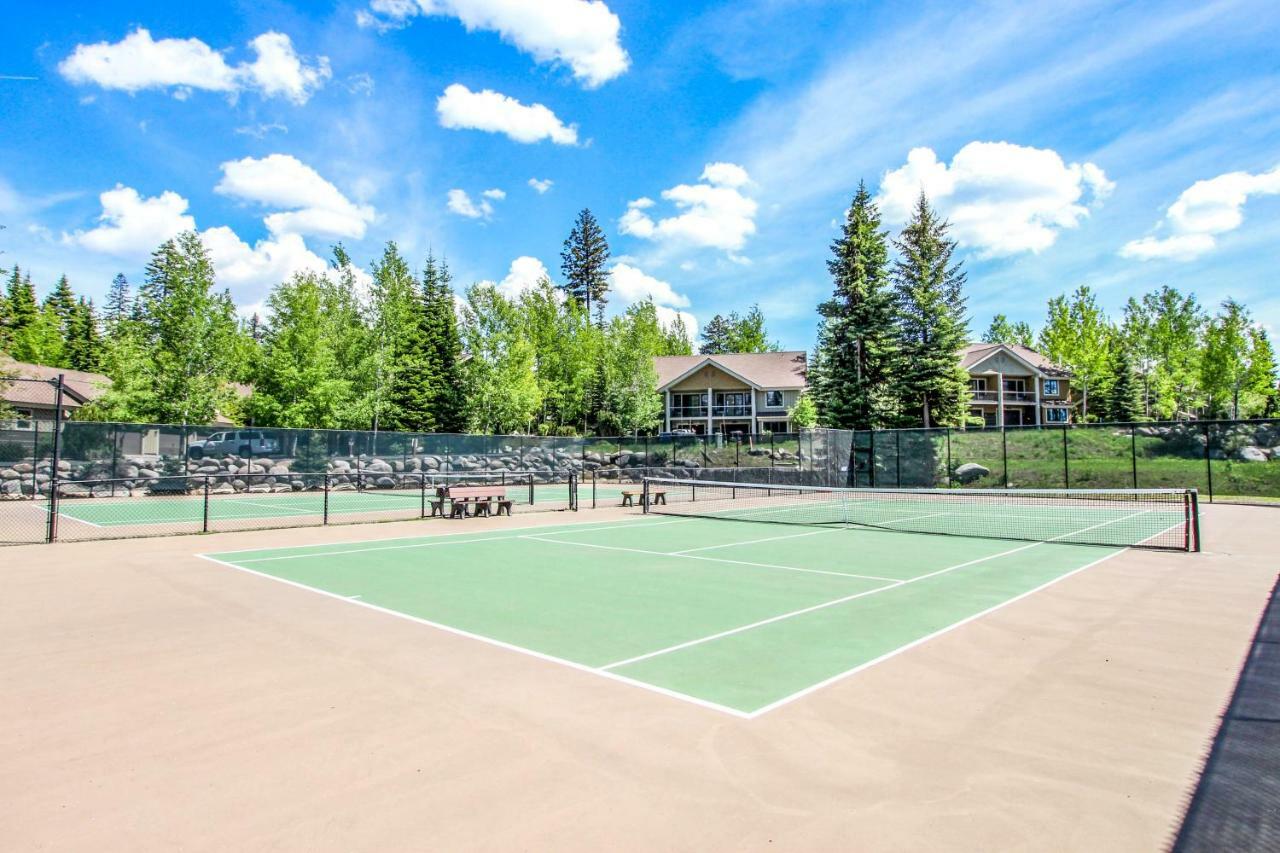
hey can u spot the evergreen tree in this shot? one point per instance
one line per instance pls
(1001, 331)
(583, 262)
(400, 393)
(1125, 401)
(352, 339)
(40, 341)
(857, 337)
(715, 336)
(63, 303)
(20, 302)
(446, 408)
(932, 325)
(119, 302)
(189, 337)
(84, 344)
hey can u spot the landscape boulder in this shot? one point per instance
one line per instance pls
(971, 472)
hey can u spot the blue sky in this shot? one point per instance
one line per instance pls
(1123, 146)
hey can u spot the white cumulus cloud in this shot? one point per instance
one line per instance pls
(524, 272)
(495, 194)
(582, 34)
(715, 213)
(139, 62)
(1203, 210)
(540, 187)
(1001, 199)
(463, 205)
(308, 203)
(459, 108)
(132, 226)
(631, 285)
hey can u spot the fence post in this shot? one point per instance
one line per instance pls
(422, 485)
(948, 457)
(35, 458)
(897, 455)
(1208, 462)
(115, 456)
(1066, 466)
(871, 460)
(52, 532)
(324, 519)
(1004, 452)
(772, 461)
(1133, 451)
(205, 525)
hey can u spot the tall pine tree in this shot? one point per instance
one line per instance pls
(932, 325)
(857, 348)
(400, 398)
(84, 345)
(583, 262)
(446, 407)
(1125, 401)
(119, 302)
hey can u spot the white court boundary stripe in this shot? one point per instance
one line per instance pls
(428, 544)
(449, 629)
(653, 688)
(748, 542)
(686, 556)
(813, 688)
(422, 536)
(844, 600)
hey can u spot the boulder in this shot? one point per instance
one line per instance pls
(148, 473)
(378, 466)
(385, 482)
(11, 488)
(10, 474)
(24, 468)
(278, 468)
(1249, 453)
(971, 472)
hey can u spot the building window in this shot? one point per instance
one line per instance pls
(1015, 385)
(689, 405)
(22, 419)
(773, 399)
(1055, 415)
(978, 384)
(1051, 387)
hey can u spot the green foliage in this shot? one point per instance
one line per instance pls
(852, 374)
(502, 389)
(399, 394)
(442, 354)
(83, 338)
(119, 304)
(39, 340)
(1078, 335)
(932, 325)
(583, 262)
(566, 347)
(299, 382)
(630, 384)
(1001, 331)
(1124, 403)
(804, 414)
(1237, 372)
(736, 333)
(1163, 331)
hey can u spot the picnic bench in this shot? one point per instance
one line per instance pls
(657, 496)
(470, 500)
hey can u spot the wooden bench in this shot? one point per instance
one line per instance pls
(630, 496)
(478, 500)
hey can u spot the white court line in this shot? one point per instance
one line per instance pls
(748, 542)
(405, 547)
(436, 535)
(802, 611)
(708, 559)
(799, 694)
(613, 676)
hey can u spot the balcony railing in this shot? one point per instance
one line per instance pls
(1009, 396)
(731, 411)
(688, 411)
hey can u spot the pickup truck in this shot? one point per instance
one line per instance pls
(245, 442)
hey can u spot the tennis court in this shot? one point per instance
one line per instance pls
(710, 600)
(189, 509)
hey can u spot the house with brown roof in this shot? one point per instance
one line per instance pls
(735, 392)
(1011, 385)
(33, 401)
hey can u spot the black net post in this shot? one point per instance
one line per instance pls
(897, 459)
(52, 532)
(530, 490)
(772, 461)
(422, 486)
(573, 492)
(1193, 507)
(325, 485)
(644, 496)
(205, 515)
(594, 476)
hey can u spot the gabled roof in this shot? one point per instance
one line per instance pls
(974, 354)
(762, 370)
(81, 387)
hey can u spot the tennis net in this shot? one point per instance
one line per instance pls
(1139, 518)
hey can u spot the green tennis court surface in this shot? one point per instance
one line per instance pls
(182, 509)
(741, 616)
